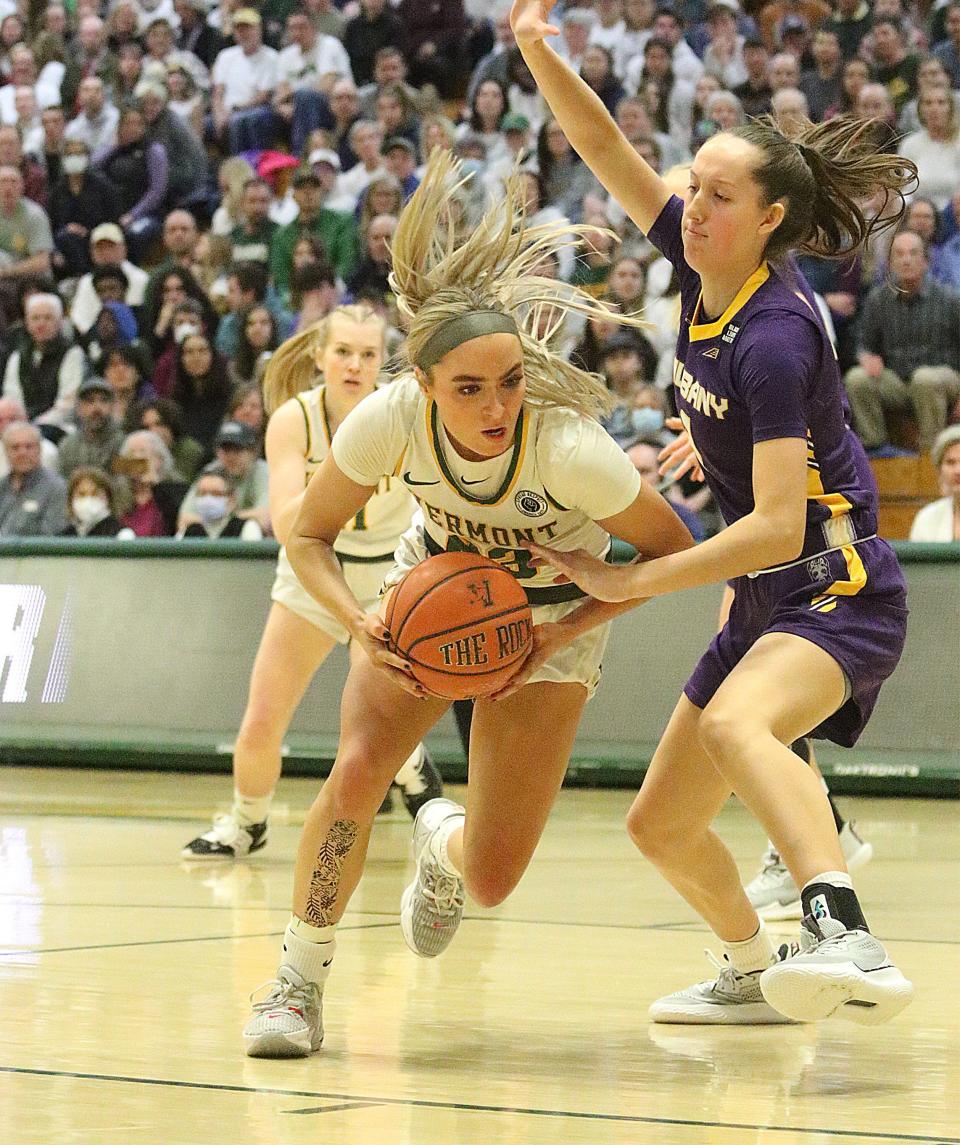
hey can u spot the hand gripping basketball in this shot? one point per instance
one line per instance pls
(462, 622)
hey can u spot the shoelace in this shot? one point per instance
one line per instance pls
(772, 867)
(445, 896)
(727, 976)
(282, 994)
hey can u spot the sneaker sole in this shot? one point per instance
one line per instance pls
(814, 992)
(279, 1045)
(742, 1014)
(213, 857)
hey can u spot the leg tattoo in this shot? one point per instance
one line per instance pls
(325, 880)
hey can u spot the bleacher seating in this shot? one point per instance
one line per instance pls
(906, 484)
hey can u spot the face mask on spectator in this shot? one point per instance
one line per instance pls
(212, 507)
(646, 420)
(182, 332)
(75, 164)
(89, 510)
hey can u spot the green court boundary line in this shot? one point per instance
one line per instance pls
(199, 548)
(886, 773)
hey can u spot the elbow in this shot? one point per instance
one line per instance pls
(296, 543)
(786, 544)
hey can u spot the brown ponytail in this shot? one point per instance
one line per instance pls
(837, 188)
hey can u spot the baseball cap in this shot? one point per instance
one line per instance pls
(107, 233)
(325, 155)
(94, 385)
(396, 141)
(514, 123)
(731, 5)
(246, 16)
(236, 435)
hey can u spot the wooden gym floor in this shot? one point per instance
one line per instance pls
(124, 979)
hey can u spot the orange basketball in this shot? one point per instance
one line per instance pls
(462, 622)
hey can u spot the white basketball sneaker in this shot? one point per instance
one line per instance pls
(288, 1022)
(836, 973)
(731, 999)
(773, 894)
(432, 905)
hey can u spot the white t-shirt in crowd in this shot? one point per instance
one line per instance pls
(328, 55)
(243, 76)
(934, 522)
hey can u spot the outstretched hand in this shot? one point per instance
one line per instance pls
(598, 579)
(679, 456)
(528, 18)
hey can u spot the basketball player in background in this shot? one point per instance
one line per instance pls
(495, 435)
(818, 619)
(346, 349)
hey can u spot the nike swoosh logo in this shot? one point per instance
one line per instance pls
(464, 481)
(410, 481)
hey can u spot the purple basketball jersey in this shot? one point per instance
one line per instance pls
(765, 369)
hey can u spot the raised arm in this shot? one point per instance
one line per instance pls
(587, 124)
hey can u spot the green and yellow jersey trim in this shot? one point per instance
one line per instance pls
(520, 436)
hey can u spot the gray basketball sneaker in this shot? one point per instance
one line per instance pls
(288, 1022)
(773, 894)
(836, 973)
(730, 999)
(432, 905)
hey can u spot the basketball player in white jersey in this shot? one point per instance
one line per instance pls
(347, 349)
(494, 434)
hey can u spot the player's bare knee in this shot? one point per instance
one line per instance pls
(655, 838)
(489, 887)
(357, 772)
(724, 733)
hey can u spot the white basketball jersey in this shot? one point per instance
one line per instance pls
(561, 474)
(374, 531)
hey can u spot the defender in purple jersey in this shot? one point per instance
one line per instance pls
(819, 613)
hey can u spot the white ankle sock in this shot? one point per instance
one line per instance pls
(409, 776)
(438, 845)
(752, 953)
(309, 949)
(250, 809)
(834, 878)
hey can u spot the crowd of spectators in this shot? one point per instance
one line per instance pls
(183, 184)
